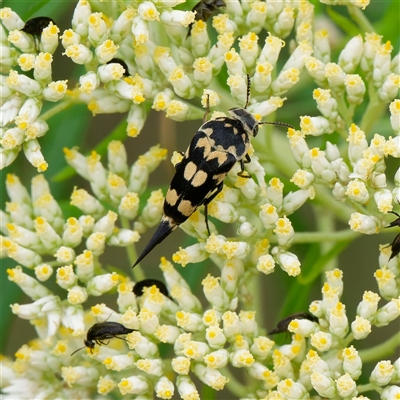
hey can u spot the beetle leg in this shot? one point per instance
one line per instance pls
(207, 110)
(207, 201)
(242, 172)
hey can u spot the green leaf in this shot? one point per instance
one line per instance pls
(10, 294)
(346, 24)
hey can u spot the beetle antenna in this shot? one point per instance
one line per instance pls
(277, 123)
(80, 348)
(248, 91)
(108, 317)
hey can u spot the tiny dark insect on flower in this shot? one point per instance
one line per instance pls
(216, 147)
(103, 331)
(122, 63)
(139, 287)
(36, 25)
(204, 9)
(284, 324)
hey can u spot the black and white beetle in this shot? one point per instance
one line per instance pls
(216, 147)
(103, 331)
(284, 323)
(204, 9)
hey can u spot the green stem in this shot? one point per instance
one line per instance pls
(56, 109)
(369, 387)
(384, 349)
(318, 237)
(234, 386)
(373, 112)
(138, 274)
(359, 17)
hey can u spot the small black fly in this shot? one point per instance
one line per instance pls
(284, 324)
(139, 287)
(216, 147)
(204, 9)
(103, 331)
(122, 63)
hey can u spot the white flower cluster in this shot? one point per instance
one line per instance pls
(319, 357)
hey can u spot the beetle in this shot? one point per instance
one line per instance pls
(284, 323)
(122, 63)
(216, 147)
(139, 287)
(102, 331)
(204, 9)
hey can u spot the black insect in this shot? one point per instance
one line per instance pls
(396, 222)
(122, 63)
(284, 324)
(139, 287)
(204, 9)
(395, 247)
(36, 25)
(103, 331)
(216, 147)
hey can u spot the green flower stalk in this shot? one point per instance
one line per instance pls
(134, 57)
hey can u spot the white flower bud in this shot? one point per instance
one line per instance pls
(387, 313)
(97, 29)
(49, 38)
(210, 376)
(79, 54)
(22, 41)
(135, 384)
(322, 341)
(285, 81)
(177, 17)
(241, 358)
(223, 24)
(382, 373)
(369, 305)
(86, 203)
(394, 109)
(30, 286)
(164, 388)
(186, 388)
(304, 327)
(216, 340)
(122, 25)
(69, 37)
(390, 392)
(23, 84)
(10, 19)
(338, 323)
(292, 390)
(346, 386)
(324, 385)
(355, 88)
(288, 262)
(234, 63)
(361, 328)
(285, 22)
(352, 363)
(88, 82)
(335, 75)
(106, 51)
(363, 224)
(316, 69)
(350, 56)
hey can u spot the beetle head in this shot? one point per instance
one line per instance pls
(249, 123)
